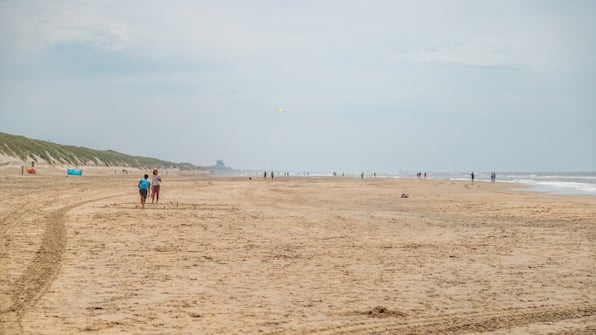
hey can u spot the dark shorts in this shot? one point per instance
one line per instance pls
(143, 193)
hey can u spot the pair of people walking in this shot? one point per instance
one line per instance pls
(154, 185)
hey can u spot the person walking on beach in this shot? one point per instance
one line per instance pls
(472, 174)
(155, 183)
(144, 185)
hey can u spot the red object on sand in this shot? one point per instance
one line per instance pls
(31, 170)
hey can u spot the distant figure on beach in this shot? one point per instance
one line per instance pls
(271, 174)
(362, 175)
(155, 186)
(472, 174)
(265, 174)
(144, 185)
(493, 177)
(425, 175)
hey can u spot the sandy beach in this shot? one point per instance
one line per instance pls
(292, 256)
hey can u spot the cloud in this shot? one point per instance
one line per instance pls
(30, 33)
(381, 69)
(470, 55)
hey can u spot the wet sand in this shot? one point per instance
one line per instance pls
(293, 256)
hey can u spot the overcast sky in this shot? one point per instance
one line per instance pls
(367, 85)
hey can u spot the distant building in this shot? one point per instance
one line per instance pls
(220, 167)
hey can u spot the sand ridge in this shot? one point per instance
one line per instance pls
(294, 256)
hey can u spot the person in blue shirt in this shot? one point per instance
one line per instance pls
(144, 185)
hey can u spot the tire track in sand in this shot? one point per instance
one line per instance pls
(463, 323)
(39, 275)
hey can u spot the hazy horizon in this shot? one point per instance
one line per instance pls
(440, 174)
(376, 86)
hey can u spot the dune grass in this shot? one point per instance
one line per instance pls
(28, 149)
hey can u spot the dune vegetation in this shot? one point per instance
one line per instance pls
(26, 149)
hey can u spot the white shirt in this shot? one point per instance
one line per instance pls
(155, 180)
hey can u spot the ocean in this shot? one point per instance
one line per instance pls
(559, 182)
(552, 182)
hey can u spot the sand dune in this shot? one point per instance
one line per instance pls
(293, 256)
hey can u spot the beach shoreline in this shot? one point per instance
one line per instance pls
(232, 255)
